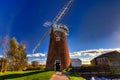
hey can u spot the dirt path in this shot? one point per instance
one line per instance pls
(59, 76)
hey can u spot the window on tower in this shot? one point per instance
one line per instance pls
(58, 38)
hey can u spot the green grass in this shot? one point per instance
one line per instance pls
(27, 75)
(74, 76)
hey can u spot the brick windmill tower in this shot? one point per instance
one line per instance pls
(58, 54)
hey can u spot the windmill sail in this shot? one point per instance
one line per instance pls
(42, 39)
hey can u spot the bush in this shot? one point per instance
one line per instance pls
(41, 67)
(67, 70)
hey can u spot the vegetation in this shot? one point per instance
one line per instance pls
(4, 64)
(67, 70)
(17, 55)
(14, 55)
(72, 75)
(75, 76)
(4, 44)
(35, 63)
(40, 67)
(92, 69)
(27, 75)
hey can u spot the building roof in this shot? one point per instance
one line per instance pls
(107, 54)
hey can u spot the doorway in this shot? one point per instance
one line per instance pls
(57, 65)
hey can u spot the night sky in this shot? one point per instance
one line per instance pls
(93, 24)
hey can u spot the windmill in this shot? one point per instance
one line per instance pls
(58, 54)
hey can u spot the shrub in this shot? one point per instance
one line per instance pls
(67, 70)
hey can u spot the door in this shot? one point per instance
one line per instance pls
(57, 65)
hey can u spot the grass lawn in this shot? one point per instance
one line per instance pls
(74, 76)
(27, 75)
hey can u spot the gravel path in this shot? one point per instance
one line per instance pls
(59, 76)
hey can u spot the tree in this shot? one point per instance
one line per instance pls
(22, 58)
(3, 64)
(35, 63)
(17, 55)
(4, 43)
(12, 52)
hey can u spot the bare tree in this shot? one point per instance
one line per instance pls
(4, 43)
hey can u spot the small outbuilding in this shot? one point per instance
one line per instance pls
(76, 62)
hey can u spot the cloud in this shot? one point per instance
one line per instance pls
(85, 60)
(40, 60)
(29, 55)
(40, 57)
(36, 59)
(87, 55)
(36, 55)
(1, 56)
(92, 53)
(29, 62)
(75, 54)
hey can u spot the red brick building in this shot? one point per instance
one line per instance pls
(58, 54)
